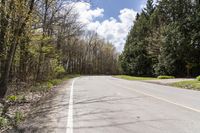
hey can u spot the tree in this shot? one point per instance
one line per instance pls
(149, 7)
(22, 15)
(164, 33)
(42, 39)
(135, 59)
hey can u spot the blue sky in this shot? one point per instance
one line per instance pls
(112, 7)
(111, 19)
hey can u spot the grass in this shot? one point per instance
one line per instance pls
(48, 85)
(193, 84)
(134, 78)
(166, 77)
(55, 82)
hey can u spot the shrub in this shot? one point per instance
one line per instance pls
(198, 78)
(42, 87)
(3, 122)
(18, 117)
(59, 71)
(49, 85)
(12, 98)
(55, 81)
(166, 77)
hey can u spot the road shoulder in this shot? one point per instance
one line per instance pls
(48, 115)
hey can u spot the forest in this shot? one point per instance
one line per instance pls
(43, 39)
(165, 40)
(43, 44)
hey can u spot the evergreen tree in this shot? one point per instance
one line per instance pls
(164, 40)
(135, 59)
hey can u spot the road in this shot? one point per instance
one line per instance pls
(110, 105)
(104, 104)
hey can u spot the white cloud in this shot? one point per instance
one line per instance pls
(112, 29)
(117, 31)
(86, 14)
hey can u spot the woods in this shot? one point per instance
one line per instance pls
(43, 39)
(164, 40)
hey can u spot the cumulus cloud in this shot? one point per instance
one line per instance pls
(86, 14)
(114, 30)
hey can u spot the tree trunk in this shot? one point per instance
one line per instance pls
(5, 76)
(4, 24)
(10, 56)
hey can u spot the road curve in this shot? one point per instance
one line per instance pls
(103, 104)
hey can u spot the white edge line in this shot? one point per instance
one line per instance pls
(70, 110)
(163, 99)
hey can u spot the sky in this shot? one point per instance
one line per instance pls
(111, 19)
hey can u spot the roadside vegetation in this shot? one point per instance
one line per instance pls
(143, 78)
(165, 77)
(134, 78)
(164, 40)
(193, 84)
(41, 42)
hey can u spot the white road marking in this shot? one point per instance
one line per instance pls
(70, 110)
(168, 101)
(163, 99)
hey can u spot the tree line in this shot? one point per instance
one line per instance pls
(43, 39)
(165, 40)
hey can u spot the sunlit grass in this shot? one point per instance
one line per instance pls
(134, 78)
(193, 84)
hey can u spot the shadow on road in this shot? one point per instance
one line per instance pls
(101, 116)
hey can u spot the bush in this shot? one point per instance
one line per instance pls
(55, 81)
(3, 122)
(198, 78)
(166, 77)
(49, 85)
(12, 98)
(18, 117)
(59, 71)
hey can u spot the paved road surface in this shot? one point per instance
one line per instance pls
(110, 105)
(103, 104)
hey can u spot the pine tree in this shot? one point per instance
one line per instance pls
(149, 7)
(160, 39)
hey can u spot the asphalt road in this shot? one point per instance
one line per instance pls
(104, 104)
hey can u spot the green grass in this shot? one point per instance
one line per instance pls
(48, 85)
(134, 78)
(55, 82)
(193, 84)
(166, 77)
